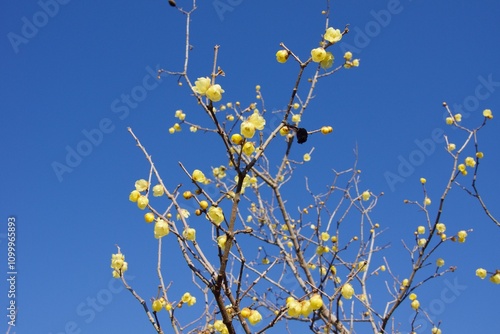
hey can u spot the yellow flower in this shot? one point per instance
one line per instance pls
(220, 327)
(481, 273)
(161, 228)
(415, 304)
(198, 176)
(347, 291)
(495, 278)
(248, 148)
(439, 262)
(479, 155)
(142, 202)
(427, 201)
(296, 118)
(332, 35)
(255, 317)
(214, 93)
(316, 302)
(305, 308)
(149, 217)
(318, 54)
(141, 185)
(326, 130)
(440, 227)
(237, 139)
(158, 304)
(487, 113)
(421, 230)
(348, 55)
(189, 234)
(184, 213)
(307, 157)
(461, 236)
(451, 147)
(325, 236)
(458, 117)
(257, 120)
(469, 161)
(296, 106)
(327, 62)
(284, 130)
(365, 195)
(405, 283)
(202, 85)
(216, 215)
(193, 128)
(382, 268)
(186, 297)
(294, 308)
(461, 168)
(422, 242)
(362, 266)
(247, 129)
(449, 120)
(158, 190)
(245, 312)
(423, 180)
(282, 56)
(435, 330)
(221, 241)
(412, 296)
(117, 261)
(134, 196)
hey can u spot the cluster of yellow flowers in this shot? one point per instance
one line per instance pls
(482, 273)
(188, 299)
(469, 162)
(415, 304)
(159, 304)
(320, 55)
(203, 86)
(253, 316)
(303, 308)
(118, 264)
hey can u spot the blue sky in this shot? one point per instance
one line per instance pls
(66, 77)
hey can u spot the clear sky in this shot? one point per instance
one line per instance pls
(67, 65)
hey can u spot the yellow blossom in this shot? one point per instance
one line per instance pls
(142, 202)
(332, 35)
(469, 161)
(158, 190)
(134, 196)
(294, 308)
(184, 213)
(255, 317)
(282, 56)
(461, 236)
(423, 180)
(216, 215)
(284, 130)
(198, 176)
(257, 120)
(440, 227)
(421, 229)
(412, 296)
(325, 236)
(247, 129)
(245, 312)
(365, 195)
(237, 139)
(479, 155)
(326, 130)
(348, 55)
(318, 54)
(307, 157)
(141, 185)
(161, 228)
(347, 291)
(487, 113)
(481, 273)
(296, 118)
(327, 62)
(422, 242)
(435, 330)
(440, 262)
(449, 120)
(193, 128)
(202, 85)
(149, 217)
(221, 241)
(382, 268)
(495, 278)
(458, 117)
(427, 201)
(220, 327)
(248, 148)
(296, 106)
(189, 234)
(451, 147)
(214, 93)
(415, 304)
(316, 302)
(158, 304)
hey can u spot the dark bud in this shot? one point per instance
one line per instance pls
(172, 3)
(301, 135)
